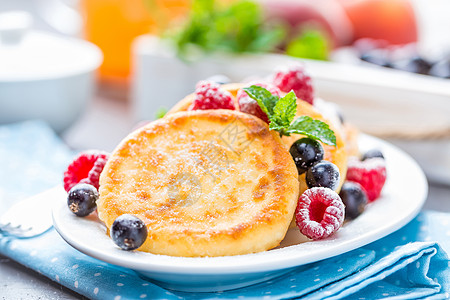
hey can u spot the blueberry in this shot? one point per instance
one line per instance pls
(372, 154)
(306, 152)
(219, 78)
(323, 174)
(441, 69)
(354, 198)
(128, 232)
(340, 116)
(377, 57)
(415, 64)
(81, 199)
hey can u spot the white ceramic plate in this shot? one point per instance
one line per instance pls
(402, 197)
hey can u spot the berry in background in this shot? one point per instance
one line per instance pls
(210, 95)
(296, 79)
(372, 153)
(370, 174)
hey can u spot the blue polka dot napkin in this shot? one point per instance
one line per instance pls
(408, 264)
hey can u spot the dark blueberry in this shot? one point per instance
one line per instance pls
(377, 57)
(323, 174)
(415, 64)
(128, 232)
(372, 154)
(441, 69)
(341, 116)
(306, 152)
(81, 199)
(219, 78)
(364, 45)
(354, 198)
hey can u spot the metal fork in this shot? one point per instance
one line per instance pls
(32, 216)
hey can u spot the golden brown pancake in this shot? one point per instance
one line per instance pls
(206, 183)
(337, 155)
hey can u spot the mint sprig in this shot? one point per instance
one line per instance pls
(314, 129)
(265, 99)
(281, 113)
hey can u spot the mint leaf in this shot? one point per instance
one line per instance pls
(281, 112)
(265, 99)
(284, 111)
(314, 129)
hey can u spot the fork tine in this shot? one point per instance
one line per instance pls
(5, 226)
(17, 230)
(33, 213)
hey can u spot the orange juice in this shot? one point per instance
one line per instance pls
(113, 24)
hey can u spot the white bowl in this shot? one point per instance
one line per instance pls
(42, 75)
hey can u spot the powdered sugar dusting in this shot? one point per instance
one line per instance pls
(195, 174)
(368, 164)
(370, 174)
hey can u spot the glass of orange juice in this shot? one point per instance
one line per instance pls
(113, 24)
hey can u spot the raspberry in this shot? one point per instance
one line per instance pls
(210, 95)
(294, 78)
(370, 174)
(320, 212)
(250, 106)
(85, 168)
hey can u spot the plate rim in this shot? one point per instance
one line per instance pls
(141, 261)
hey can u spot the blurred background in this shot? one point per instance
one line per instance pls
(93, 69)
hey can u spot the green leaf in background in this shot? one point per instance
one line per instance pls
(314, 129)
(161, 112)
(269, 40)
(311, 44)
(237, 27)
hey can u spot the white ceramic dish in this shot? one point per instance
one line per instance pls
(379, 101)
(42, 75)
(402, 197)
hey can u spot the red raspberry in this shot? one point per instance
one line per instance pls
(85, 168)
(370, 174)
(295, 78)
(210, 95)
(320, 212)
(250, 106)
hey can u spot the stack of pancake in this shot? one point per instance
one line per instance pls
(210, 182)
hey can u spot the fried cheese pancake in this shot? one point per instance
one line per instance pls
(206, 183)
(337, 155)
